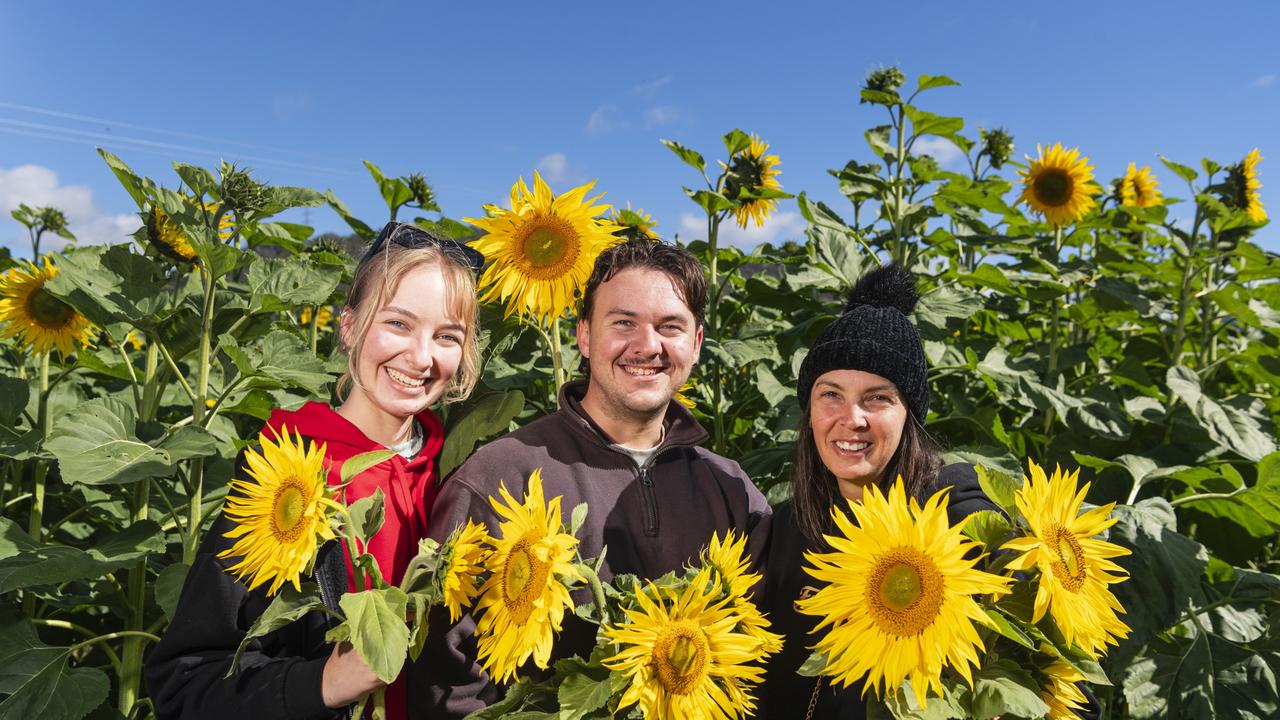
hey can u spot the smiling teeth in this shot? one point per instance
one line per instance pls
(639, 371)
(405, 379)
(852, 446)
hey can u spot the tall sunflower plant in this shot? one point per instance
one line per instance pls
(1005, 613)
(284, 513)
(688, 644)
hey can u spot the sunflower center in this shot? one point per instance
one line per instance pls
(1069, 566)
(550, 247)
(1053, 187)
(290, 503)
(523, 576)
(680, 656)
(904, 592)
(48, 311)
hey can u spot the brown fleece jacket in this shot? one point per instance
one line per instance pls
(654, 520)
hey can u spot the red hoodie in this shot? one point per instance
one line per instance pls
(409, 487)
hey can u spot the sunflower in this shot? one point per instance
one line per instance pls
(1245, 178)
(34, 317)
(279, 515)
(322, 320)
(634, 223)
(683, 657)
(464, 554)
(1060, 692)
(1075, 568)
(543, 248)
(1139, 188)
(523, 602)
(898, 601)
(684, 399)
(1058, 185)
(729, 573)
(752, 170)
(170, 239)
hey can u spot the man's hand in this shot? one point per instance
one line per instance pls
(346, 677)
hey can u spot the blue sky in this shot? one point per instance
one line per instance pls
(475, 95)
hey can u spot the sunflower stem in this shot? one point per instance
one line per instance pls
(39, 473)
(1184, 294)
(900, 124)
(597, 592)
(131, 660)
(557, 360)
(201, 390)
(1051, 377)
(713, 324)
(315, 326)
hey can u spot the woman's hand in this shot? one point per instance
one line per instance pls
(346, 677)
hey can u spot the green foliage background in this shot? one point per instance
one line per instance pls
(1139, 348)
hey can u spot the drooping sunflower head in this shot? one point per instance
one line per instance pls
(464, 553)
(168, 237)
(543, 248)
(750, 171)
(899, 601)
(522, 604)
(281, 513)
(36, 319)
(1243, 184)
(1139, 188)
(1075, 566)
(1057, 184)
(1060, 692)
(681, 655)
(634, 224)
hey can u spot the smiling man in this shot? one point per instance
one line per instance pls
(619, 443)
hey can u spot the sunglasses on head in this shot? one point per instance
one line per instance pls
(414, 237)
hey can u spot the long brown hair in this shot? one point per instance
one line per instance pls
(815, 489)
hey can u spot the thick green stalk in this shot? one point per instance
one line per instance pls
(1208, 352)
(718, 440)
(899, 255)
(197, 416)
(136, 588)
(40, 473)
(1184, 295)
(1055, 332)
(315, 326)
(557, 359)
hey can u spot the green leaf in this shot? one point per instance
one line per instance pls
(735, 141)
(577, 518)
(689, 155)
(710, 202)
(286, 607)
(357, 464)
(168, 587)
(26, 563)
(378, 629)
(284, 197)
(929, 82)
(813, 666)
(1234, 430)
(1201, 677)
(584, 692)
(283, 284)
(356, 224)
(38, 681)
(1002, 625)
(128, 178)
(95, 444)
(878, 137)
(1181, 171)
(279, 359)
(14, 394)
(999, 487)
(491, 415)
(1005, 688)
(926, 123)
(988, 527)
(112, 284)
(198, 179)
(367, 515)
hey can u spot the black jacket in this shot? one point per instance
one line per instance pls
(785, 694)
(653, 519)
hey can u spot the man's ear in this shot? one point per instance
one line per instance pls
(697, 344)
(584, 337)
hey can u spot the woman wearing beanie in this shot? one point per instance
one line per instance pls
(864, 394)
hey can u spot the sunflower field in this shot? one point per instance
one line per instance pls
(1128, 327)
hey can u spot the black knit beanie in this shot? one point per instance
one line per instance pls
(874, 335)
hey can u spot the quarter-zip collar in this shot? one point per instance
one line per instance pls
(680, 428)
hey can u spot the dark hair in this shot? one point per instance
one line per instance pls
(815, 489)
(679, 264)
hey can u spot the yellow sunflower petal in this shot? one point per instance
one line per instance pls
(1057, 185)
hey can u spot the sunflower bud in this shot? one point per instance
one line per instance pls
(241, 193)
(886, 80)
(997, 145)
(423, 195)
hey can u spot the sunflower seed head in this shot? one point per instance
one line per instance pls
(241, 193)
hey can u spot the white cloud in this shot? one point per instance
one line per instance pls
(554, 167)
(1265, 81)
(778, 228)
(38, 186)
(940, 149)
(603, 120)
(660, 115)
(647, 90)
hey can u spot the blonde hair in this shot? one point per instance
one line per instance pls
(374, 284)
